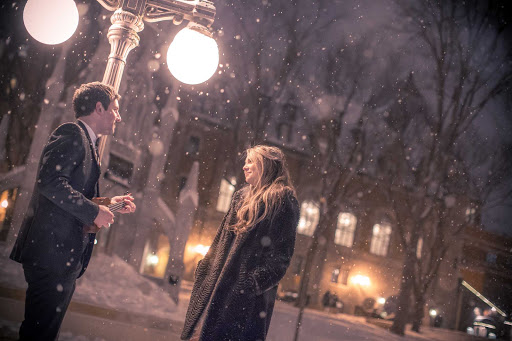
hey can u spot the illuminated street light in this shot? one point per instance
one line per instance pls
(193, 56)
(194, 51)
(4, 203)
(52, 21)
(201, 249)
(153, 259)
(361, 280)
(433, 312)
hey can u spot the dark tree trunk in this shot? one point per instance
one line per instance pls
(419, 312)
(402, 313)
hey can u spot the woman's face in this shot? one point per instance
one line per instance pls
(251, 171)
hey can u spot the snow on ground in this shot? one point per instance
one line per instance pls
(108, 282)
(322, 326)
(111, 282)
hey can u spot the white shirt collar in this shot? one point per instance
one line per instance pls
(92, 135)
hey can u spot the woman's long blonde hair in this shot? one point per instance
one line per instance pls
(269, 190)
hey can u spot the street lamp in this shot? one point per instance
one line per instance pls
(51, 23)
(192, 57)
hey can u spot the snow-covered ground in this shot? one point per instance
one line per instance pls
(108, 282)
(111, 283)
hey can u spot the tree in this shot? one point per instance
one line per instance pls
(352, 91)
(463, 70)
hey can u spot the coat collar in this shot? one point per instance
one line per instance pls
(91, 144)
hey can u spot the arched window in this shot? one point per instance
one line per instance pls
(156, 255)
(225, 193)
(309, 215)
(345, 229)
(380, 239)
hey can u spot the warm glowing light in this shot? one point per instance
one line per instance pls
(193, 56)
(381, 300)
(50, 21)
(432, 312)
(153, 259)
(4, 204)
(361, 280)
(201, 249)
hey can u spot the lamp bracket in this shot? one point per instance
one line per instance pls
(198, 11)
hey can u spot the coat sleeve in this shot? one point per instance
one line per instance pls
(63, 153)
(204, 263)
(277, 256)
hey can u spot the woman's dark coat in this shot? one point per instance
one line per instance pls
(240, 273)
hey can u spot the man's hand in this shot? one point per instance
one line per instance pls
(128, 202)
(104, 217)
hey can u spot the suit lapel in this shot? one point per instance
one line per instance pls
(95, 157)
(91, 145)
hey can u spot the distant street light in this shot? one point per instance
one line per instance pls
(361, 280)
(201, 249)
(192, 57)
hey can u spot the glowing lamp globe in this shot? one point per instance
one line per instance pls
(50, 21)
(193, 55)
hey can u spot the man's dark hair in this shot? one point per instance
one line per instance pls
(87, 95)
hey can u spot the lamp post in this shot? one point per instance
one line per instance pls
(192, 57)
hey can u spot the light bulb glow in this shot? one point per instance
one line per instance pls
(50, 21)
(153, 259)
(192, 57)
(201, 249)
(361, 280)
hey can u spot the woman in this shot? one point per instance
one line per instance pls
(236, 283)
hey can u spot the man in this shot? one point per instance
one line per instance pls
(54, 243)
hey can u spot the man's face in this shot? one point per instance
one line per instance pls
(110, 117)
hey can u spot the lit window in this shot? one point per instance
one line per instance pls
(7, 199)
(156, 256)
(380, 239)
(309, 215)
(419, 248)
(225, 193)
(345, 229)
(470, 215)
(334, 275)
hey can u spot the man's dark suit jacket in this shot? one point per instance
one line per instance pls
(51, 235)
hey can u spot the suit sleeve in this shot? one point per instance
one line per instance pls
(61, 156)
(277, 256)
